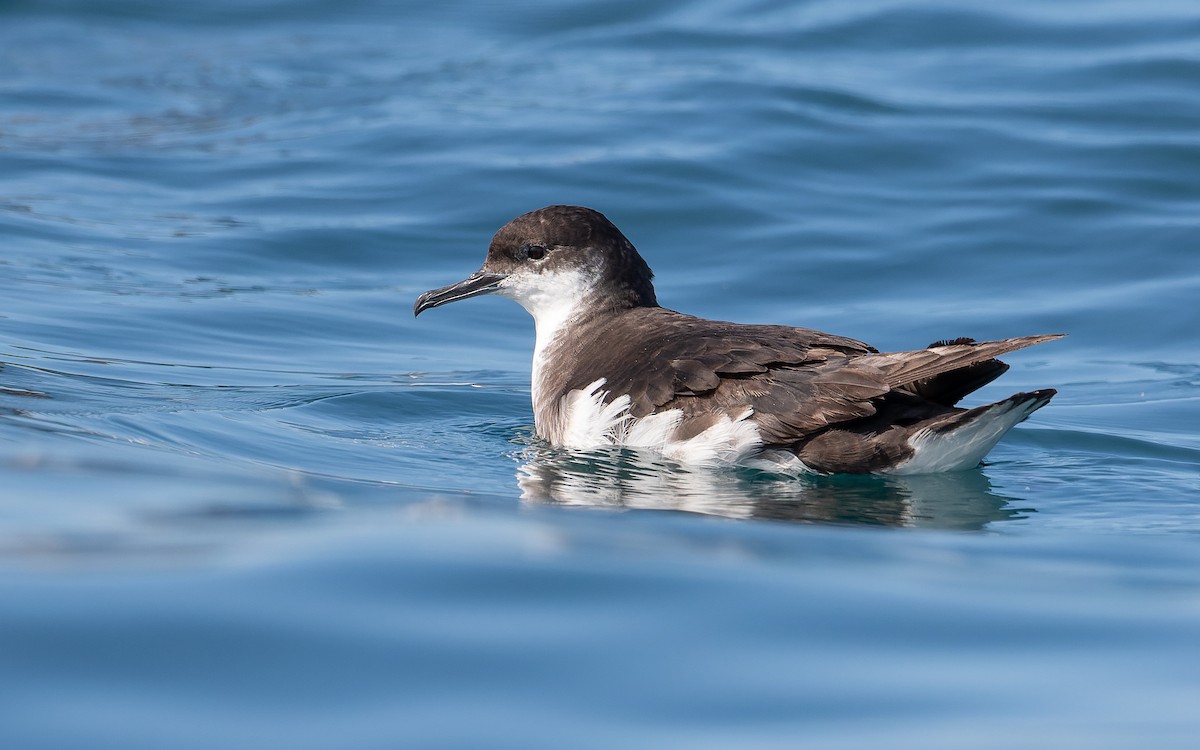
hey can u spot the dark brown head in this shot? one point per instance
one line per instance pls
(553, 259)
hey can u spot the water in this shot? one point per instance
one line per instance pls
(246, 500)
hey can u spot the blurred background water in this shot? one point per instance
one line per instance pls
(247, 501)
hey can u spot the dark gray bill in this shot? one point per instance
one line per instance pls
(479, 282)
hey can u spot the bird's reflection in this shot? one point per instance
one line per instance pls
(623, 478)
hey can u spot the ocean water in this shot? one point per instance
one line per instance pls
(246, 500)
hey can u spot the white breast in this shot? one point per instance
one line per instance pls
(553, 299)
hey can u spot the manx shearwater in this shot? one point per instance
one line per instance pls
(612, 367)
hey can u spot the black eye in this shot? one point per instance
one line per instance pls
(535, 252)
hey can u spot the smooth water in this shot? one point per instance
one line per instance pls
(247, 501)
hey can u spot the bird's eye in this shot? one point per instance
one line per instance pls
(535, 252)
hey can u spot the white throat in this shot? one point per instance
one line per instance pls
(553, 299)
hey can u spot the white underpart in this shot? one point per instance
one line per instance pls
(964, 447)
(552, 299)
(591, 423)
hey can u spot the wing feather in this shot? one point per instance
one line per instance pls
(797, 381)
(903, 368)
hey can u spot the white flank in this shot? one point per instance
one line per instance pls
(965, 447)
(591, 423)
(730, 441)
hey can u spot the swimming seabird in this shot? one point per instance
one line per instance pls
(612, 367)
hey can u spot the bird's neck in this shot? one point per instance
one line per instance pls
(552, 322)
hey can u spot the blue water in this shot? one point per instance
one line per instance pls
(247, 501)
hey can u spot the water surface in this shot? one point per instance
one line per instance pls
(247, 500)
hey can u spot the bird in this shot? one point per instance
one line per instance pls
(611, 367)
